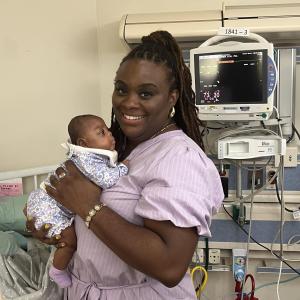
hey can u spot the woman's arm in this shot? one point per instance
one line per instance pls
(159, 249)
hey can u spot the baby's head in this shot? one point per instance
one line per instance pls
(90, 131)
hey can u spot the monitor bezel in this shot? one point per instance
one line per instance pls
(234, 111)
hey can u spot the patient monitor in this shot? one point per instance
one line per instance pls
(234, 80)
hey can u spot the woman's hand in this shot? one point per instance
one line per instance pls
(40, 234)
(73, 190)
(126, 162)
(67, 238)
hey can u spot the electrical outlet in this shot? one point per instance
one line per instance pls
(214, 256)
(290, 158)
(270, 171)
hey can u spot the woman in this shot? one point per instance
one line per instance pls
(139, 244)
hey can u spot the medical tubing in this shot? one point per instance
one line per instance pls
(281, 228)
(258, 243)
(278, 281)
(250, 227)
(275, 282)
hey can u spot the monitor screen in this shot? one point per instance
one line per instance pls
(237, 77)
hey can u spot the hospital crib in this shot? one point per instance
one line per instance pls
(24, 275)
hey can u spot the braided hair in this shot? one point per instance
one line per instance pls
(160, 47)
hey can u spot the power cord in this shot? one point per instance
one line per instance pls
(292, 135)
(206, 254)
(278, 197)
(295, 129)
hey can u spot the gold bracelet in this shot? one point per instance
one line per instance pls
(92, 213)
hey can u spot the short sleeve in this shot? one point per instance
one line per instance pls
(184, 187)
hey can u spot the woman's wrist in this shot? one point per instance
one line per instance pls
(92, 213)
(91, 198)
(84, 209)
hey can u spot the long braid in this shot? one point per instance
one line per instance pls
(160, 47)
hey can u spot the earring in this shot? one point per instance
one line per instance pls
(172, 112)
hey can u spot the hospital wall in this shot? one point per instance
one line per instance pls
(49, 72)
(58, 59)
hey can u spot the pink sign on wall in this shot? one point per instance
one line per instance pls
(12, 187)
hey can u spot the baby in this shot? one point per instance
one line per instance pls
(92, 150)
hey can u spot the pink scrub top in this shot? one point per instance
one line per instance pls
(170, 178)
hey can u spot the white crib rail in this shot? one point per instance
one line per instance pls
(33, 172)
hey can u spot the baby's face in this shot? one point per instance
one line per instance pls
(98, 136)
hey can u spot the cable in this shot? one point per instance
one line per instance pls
(275, 282)
(262, 166)
(292, 135)
(278, 197)
(278, 281)
(282, 206)
(215, 128)
(204, 131)
(289, 243)
(206, 254)
(256, 288)
(258, 243)
(270, 181)
(294, 128)
(204, 278)
(278, 119)
(250, 228)
(198, 288)
(263, 124)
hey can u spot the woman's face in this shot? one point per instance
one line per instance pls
(142, 98)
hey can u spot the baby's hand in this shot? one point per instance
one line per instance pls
(126, 162)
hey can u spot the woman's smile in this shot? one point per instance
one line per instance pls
(128, 117)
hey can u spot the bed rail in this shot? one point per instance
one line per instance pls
(32, 172)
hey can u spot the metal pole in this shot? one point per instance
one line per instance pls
(239, 195)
